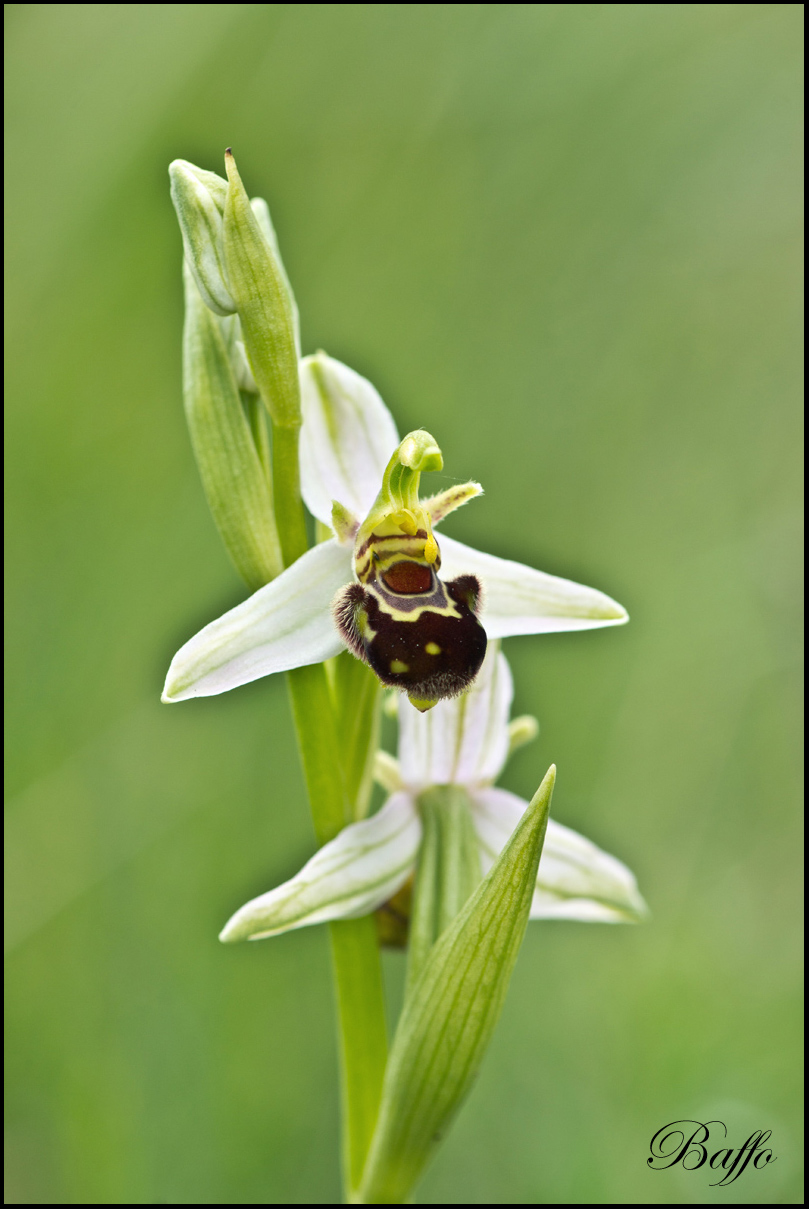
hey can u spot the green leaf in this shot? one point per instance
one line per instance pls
(234, 476)
(448, 1020)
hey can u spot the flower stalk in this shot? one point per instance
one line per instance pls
(337, 769)
(336, 795)
(481, 861)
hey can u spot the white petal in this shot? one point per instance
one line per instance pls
(581, 910)
(576, 880)
(358, 871)
(519, 600)
(463, 741)
(286, 624)
(347, 439)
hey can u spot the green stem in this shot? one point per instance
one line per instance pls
(363, 1039)
(286, 485)
(356, 697)
(319, 749)
(355, 950)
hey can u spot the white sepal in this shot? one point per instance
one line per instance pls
(352, 875)
(286, 624)
(347, 438)
(462, 741)
(576, 879)
(519, 600)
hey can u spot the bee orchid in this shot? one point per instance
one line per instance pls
(373, 585)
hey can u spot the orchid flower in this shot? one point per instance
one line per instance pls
(360, 482)
(463, 742)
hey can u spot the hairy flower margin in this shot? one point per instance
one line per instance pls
(464, 742)
(346, 441)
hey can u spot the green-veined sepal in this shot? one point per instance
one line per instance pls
(348, 877)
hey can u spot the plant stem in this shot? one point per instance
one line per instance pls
(289, 516)
(355, 950)
(319, 750)
(363, 1039)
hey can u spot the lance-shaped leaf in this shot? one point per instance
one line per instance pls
(448, 1020)
(350, 876)
(576, 879)
(449, 871)
(234, 479)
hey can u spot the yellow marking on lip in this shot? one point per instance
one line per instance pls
(449, 609)
(432, 648)
(396, 666)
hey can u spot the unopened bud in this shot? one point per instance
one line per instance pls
(229, 453)
(522, 730)
(199, 199)
(261, 294)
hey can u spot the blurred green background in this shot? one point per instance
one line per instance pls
(564, 238)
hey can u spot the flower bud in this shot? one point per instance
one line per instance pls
(199, 199)
(229, 451)
(262, 213)
(522, 730)
(260, 291)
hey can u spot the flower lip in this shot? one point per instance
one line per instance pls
(430, 647)
(414, 631)
(408, 578)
